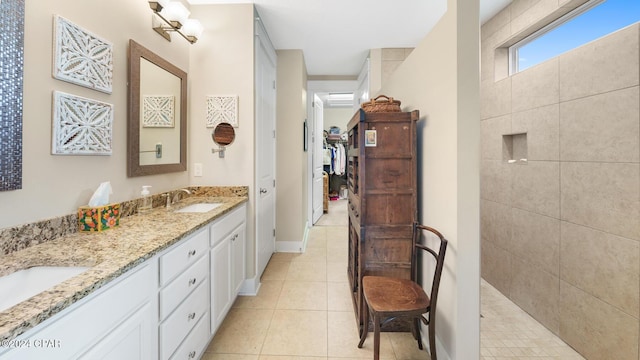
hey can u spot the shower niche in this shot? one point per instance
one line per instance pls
(514, 148)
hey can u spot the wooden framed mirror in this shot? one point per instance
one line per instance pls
(157, 117)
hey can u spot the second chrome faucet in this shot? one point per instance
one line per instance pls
(173, 197)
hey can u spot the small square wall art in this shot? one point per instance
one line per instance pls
(222, 108)
(81, 57)
(81, 126)
(158, 111)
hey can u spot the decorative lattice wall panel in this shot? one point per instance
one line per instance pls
(222, 108)
(81, 126)
(158, 111)
(81, 57)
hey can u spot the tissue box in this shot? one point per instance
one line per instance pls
(98, 218)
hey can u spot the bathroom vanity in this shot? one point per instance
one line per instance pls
(157, 287)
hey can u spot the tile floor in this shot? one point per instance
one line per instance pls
(304, 312)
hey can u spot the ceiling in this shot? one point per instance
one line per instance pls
(336, 35)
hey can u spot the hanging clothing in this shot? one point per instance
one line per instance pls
(339, 160)
(326, 156)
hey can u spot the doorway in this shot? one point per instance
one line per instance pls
(324, 111)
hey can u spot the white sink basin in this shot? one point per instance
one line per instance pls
(21, 285)
(199, 208)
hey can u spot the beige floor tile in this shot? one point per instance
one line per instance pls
(307, 271)
(313, 254)
(317, 243)
(337, 236)
(242, 332)
(212, 356)
(336, 216)
(267, 297)
(284, 357)
(337, 272)
(318, 233)
(284, 256)
(507, 332)
(405, 347)
(297, 332)
(337, 255)
(339, 297)
(276, 270)
(303, 295)
(344, 338)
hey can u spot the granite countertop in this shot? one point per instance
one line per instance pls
(108, 254)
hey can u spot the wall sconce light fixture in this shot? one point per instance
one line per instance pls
(174, 16)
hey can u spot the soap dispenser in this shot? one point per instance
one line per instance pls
(147, 204)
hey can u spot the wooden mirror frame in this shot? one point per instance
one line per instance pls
(136, 52)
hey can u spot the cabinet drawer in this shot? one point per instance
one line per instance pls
(193, 346)
(180, 322)
(182, 256)
(224, 226)
(182, 286)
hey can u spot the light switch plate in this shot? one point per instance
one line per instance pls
(197, 169)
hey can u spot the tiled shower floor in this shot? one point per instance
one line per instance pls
(507, 332)
(304, 312)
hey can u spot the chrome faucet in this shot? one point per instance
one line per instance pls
(176, 196)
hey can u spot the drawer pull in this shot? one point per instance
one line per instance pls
(234, 237)
(192, 281)
(191, 316)
(192, 252)
(192, 354)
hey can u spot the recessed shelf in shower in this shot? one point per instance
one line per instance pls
(514, 148)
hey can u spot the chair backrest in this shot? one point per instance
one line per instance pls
(419, 232)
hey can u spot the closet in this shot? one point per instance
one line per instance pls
(382, 206)
(335, 162)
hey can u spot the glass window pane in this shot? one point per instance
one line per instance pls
(603, 19)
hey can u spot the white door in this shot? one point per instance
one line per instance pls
(265, 148)
(317, 148)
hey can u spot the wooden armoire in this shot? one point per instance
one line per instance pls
(382, 184)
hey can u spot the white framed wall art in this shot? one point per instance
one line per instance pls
(158, 111)
(81, 57)
(222, 108)
(81, 126)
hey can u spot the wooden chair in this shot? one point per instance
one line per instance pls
(387, 298)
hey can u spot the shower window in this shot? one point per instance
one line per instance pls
(594, 19)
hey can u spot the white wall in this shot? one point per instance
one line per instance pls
(223, 61)
(441, 79)
(337, 117)
(291, 174)
(56, 185)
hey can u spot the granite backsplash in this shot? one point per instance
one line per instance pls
(23, 236)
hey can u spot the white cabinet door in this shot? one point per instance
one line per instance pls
(220, 283)
(237, 260)
(130, 340)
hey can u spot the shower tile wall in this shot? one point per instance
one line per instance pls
(561, 233)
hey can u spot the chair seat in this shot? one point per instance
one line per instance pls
(392, 295)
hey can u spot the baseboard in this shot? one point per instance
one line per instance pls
(442, 354)
(305, 237)
(294, 246)
(289, 246)
(250, 287)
